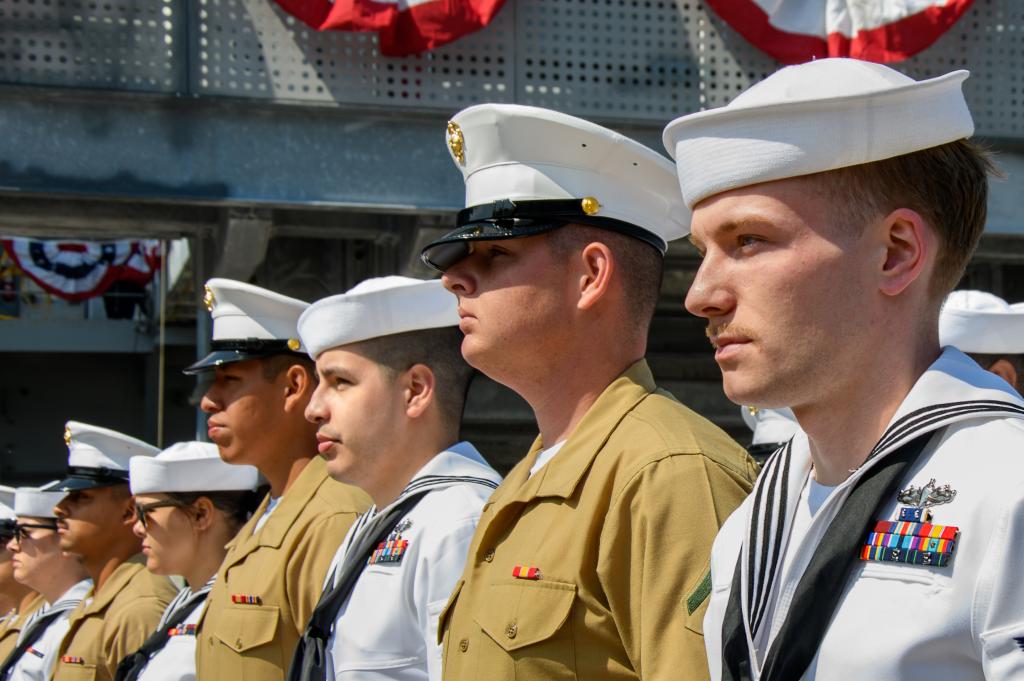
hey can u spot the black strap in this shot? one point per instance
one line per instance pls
(308, 662)
(38, 626)
(131, 667)
(820, 588)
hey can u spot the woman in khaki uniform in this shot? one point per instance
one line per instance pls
(591, 559)
(17, 601)
(274, 571)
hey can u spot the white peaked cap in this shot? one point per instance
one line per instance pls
(382, 306)
(35, 502)
(813, 117)
(242, 311)
(7, 496)
(98, 456)
(525, 153)
(982, 323)
(770, 425)
(190, 467)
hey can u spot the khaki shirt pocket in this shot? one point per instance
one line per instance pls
(243, 628)
(75, 672)
(529, 621)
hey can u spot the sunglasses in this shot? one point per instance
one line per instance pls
(142, 511)
(21, 529)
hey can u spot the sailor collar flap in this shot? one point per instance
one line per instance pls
(116, 583)
(459, 464)
(560, 476)
(952, 390)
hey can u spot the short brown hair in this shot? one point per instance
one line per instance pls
(640, 263)
(947, 185)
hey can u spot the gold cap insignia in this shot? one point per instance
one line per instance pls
(293, 344)
(208, 300)
(590, 205)
(67, 436)
(456, 142)
(753, 410)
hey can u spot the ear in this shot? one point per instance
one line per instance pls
(298, 383)
(1004, 369)
(128, 511)
(910, 246)
(598, 266)
(202, 514)
(419, 383)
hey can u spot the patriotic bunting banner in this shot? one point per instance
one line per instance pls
(796, 31)
(76, 270)
(404, 27)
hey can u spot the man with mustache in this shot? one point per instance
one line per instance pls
(835, 204)
(389, 404)
(590, 560)
(275, 567)
(94, 521)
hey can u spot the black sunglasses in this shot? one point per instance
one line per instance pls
(142, 510)
(21, 529)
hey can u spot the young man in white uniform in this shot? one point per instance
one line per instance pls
(59, 577)
(388, 405)
(989, 330)
(835, 205)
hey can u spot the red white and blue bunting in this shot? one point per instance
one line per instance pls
(796, 31)
(77, 270)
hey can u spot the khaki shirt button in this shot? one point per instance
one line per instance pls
(512, 630)
(238, 643)
(464, 645)
(489, 556)
(210, 640)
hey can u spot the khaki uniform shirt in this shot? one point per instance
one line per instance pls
(597, 567)
(116, 621)
(11, 626)
(270, 581)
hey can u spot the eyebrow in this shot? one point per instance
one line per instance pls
(726, 228)
(336, 372)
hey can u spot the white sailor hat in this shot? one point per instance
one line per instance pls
(770, 426)
(249, 322)
(982, 323)
(189, 467)
(36, 502)
(814, 117)
(382, 306)
(98, 457)
(530, 170)
(7, 496)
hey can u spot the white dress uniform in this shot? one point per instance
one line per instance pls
(176, 661)
(387, 630)
(38, 661)
(192, 467)
(897, 621)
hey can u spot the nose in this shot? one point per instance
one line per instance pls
(459, 278)
(60, 510)
(208, 404)
(316, 412)
(138, 530)
(12, 545)
(709, 295)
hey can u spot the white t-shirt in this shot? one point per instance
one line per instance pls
(544, 456)
(271, 505)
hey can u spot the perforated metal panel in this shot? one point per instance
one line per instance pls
(607, 58)
(113, 44)
(251, 48)
(988, 40)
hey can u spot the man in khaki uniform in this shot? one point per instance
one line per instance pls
(590, 561)
(274, 571)
(95, 523)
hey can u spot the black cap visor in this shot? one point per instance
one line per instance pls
(228, 351)
(517, 219)
(81, 477)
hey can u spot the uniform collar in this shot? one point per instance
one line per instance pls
(117, 581)
(289, 507)
(78, 592)
(458, 465)
(560, 476)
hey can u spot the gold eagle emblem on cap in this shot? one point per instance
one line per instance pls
(456, 142)
(208, 300)
(293, 344)
(590, 205)
(67, 436)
